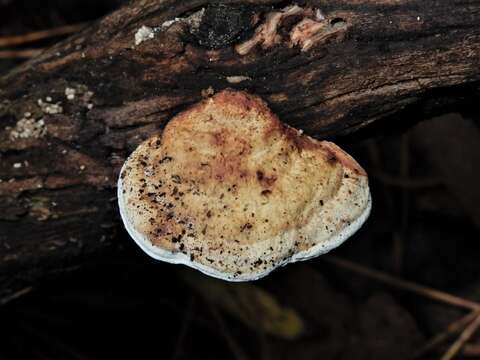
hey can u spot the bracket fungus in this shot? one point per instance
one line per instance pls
(229, 190)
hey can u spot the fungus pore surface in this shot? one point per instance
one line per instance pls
(229, 190)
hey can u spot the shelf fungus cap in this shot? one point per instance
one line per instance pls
(231, 191)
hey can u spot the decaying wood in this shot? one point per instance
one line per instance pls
(70, 117)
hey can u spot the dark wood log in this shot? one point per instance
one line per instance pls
(70, 117)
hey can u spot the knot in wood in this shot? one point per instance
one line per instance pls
(223, 25)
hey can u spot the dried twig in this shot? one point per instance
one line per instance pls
(187, 318)
(237, 351)
(451, 329)
(63, 349)
(40, 35)
(404, 284)
(471, 350)
(20, 54)
(15, 295)
(463, 338)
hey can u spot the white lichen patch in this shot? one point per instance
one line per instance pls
(70, 93)
(194, 20)
(237, 79)
(27, 128)
(319, 15)
(50, 108)
(81, 94)
(169, 23)
(143, 34)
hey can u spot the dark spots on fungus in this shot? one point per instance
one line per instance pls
(209, 214)
(266, 192)
(332, 159)
(321, 202)
(219, 139)
(258, 263)
(176, 179)
(246, 226)
(268, 181)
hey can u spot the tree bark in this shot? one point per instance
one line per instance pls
(69, 118)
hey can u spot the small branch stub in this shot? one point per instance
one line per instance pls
(312, 28)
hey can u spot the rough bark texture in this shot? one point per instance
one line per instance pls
(58, 164)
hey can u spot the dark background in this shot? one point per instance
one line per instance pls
(425, 181)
